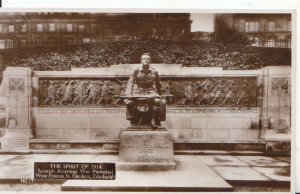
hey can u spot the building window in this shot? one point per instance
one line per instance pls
(62, 27)
(11, 28)
(23, 42)
(281, 37)
(271, 26)
(241, 27)
(23, 28)
(39, 27)
(51, 27)
(69, 27)
(289, 26)
(169, 31)
(2, 44)
(51, 42)
(236, 26)
(70, 41)
(1, 28)
(108, 32)
(93, 27)
(81, 28)
(255, 41)
(10, 43)
(251, 27)
(86, 40)
(38, 42)
(270, 43)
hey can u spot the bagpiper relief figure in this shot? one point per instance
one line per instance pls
(217, 91)
(67, 98)
(51, 94)
(106, 94)
(80, 93)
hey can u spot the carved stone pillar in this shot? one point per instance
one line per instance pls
(18, 91)
(277, 107)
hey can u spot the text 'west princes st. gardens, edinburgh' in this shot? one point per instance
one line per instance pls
(56, 170)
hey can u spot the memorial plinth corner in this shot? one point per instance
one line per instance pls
(18, 94)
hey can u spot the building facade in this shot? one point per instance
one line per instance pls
(18, 30)
(203, 36)
(265, 30)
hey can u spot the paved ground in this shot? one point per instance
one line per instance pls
(244, 171)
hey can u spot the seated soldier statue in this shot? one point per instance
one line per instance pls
(143, 102)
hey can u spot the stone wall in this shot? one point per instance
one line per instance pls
(277, 108)
(184, 123)
(234, 118)
(277, 97)
(18, 98)
(213, 123)
(259, 104)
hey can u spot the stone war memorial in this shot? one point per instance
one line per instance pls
(103, 107)
(57, 110)
(198, 109)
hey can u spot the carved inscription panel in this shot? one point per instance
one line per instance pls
(146, 147)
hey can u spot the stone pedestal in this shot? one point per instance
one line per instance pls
(18, 92)
(146, 150)
(277, 98)
(276, 108)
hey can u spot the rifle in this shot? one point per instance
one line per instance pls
(141, 96)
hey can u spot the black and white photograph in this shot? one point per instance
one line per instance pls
(146, 101)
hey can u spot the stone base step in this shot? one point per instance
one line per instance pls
(14, 152)
(218, 152)
(176, 152)
(146, 166)
(116, 152)
(190, 175)
(113, 144)
(75, 151)
(90, 185)
(74, 144)
(220, 144)
(270, 147)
